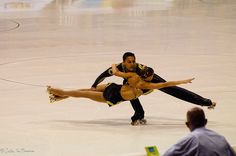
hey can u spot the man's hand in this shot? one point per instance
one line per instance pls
(114, 69)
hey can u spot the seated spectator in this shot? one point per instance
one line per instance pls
(201, 141)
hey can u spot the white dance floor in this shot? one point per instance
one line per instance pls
(68, 43)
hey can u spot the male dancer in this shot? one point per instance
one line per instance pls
(129, 65)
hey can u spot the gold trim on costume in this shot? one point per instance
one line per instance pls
(148, 92)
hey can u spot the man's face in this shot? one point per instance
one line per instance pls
(130, 63)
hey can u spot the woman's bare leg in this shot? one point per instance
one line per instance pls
(58, 98)
(101, 87)
(84, 93)
(54, 98)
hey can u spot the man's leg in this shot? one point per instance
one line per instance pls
(138, 110)
(183, 94)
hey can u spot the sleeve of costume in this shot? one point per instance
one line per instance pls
(186, 146)
(230, 151)
(105, 74)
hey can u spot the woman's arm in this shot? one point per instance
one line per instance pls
(118, 73)
(149, 85)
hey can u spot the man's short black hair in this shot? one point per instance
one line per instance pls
(196, 117)
(127, 54)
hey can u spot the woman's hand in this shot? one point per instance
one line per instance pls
(188, 80)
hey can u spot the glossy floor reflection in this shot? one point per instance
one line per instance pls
(68, 43)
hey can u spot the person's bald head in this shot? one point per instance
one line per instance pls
(196, 118)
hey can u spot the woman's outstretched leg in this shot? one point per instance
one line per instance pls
(54, 98)
(84, 93)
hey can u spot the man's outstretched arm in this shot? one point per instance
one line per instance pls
(102, 76)
(105, 74)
